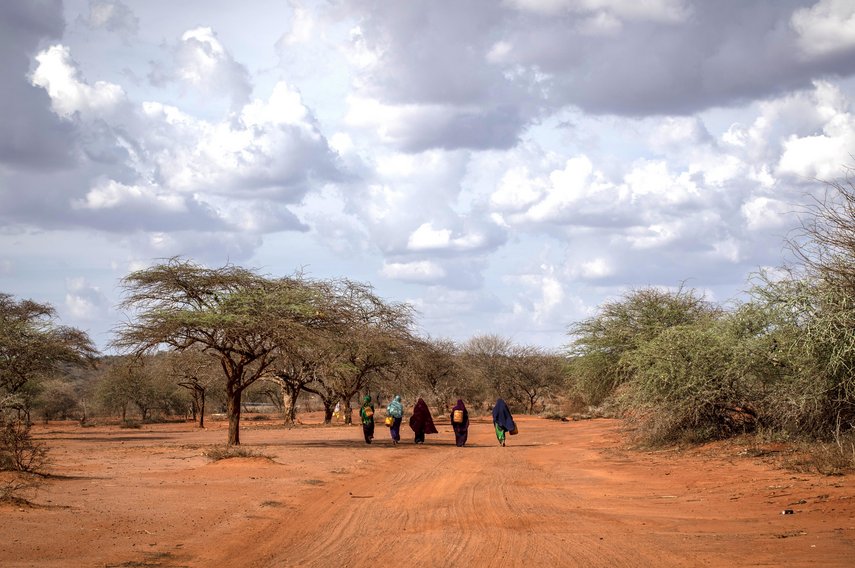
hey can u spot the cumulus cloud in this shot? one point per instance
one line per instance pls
(419, 127)
(418, 271)
(427, 238)
(200, 61)
(762, 213)
(112, 15)
(673, 57)
(58, 74)
(824, 150)
(827, 27)
(33, 137)
(436, 95)
(152, 167)
(271, 147)
(200, 245)
(84, 300)
(655, 10)
(302, 26)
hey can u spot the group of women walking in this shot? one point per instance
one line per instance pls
(421, 421)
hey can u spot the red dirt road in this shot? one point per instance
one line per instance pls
(560, 494)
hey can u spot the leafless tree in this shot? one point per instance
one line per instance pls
(533, 374)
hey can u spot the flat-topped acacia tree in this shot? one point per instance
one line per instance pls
(33, 346)
(230, 313)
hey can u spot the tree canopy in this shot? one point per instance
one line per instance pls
(230, 313)
(33, 345)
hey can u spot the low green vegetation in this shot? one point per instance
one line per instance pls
(684, 369)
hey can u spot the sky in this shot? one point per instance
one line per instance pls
(505, 166)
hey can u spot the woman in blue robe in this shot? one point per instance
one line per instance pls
(503, 421)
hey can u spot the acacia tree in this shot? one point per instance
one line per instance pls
(196, 372)
(487, 357)
(432, 368)
(232, 314)
(33, 346)
(533, 374)
(367, 340)
(298, 367)
(815, 301)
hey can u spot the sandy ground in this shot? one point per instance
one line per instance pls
(560, 494)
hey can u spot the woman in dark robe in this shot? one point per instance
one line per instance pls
(503, 421)
(460, 423)
(421, 422)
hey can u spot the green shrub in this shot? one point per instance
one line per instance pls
(688, 386)
(603, 345)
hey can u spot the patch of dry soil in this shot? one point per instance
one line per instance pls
(560, 494)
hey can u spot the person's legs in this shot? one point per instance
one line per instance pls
(500, 433)
(367, 432)
(395, 430)
(460, 434)
(420, 437)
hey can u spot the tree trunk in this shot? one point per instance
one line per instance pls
(233, 410)
(194, 405)
(328, 411)
(347, 409)
(289, 402)
(201, 408)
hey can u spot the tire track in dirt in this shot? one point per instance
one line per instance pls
(441, 505)
(561, 494)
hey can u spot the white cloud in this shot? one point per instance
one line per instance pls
(762, 213)
(109, 194)
(541, 300)
(517, 190)
(822, 155)
(419, 271)
(302, 25)
(57, 73)
(656, 10)
(499, 52)
(201, 61)
(826, 27)
(426, 238)
(596, 269)
(112, 15)
(816, 157)
(272, 146)
(83, 300)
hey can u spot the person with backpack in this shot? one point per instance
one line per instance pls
(460, 423)
(503, 422)
(422, 422)
(395, 411)
(366, 412)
